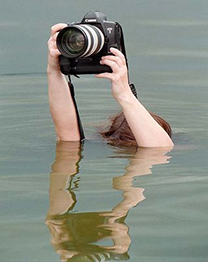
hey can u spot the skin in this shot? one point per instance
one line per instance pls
(60, 100)
(147, 132)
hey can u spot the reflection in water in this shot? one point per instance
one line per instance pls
(78, 236)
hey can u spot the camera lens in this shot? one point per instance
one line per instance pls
(73, 41)
(80, 41)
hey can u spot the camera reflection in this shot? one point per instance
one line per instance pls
(78, 236)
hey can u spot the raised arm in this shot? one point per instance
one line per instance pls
(60, 100)
(147, 132)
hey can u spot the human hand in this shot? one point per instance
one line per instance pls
(119, 76)
(53, 52)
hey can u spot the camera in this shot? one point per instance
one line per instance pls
(82, 44)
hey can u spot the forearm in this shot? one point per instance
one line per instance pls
(147, 132)
(62, 107)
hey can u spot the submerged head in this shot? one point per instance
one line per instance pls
(118, 131)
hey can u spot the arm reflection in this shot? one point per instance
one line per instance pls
(78, 236)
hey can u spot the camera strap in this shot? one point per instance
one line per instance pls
(81, 131)
(123, 50)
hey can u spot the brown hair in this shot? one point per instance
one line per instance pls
(119, 132)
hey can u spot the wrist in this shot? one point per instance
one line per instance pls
(125, 98)
(53, 70)
(53, 64)
(55, 76)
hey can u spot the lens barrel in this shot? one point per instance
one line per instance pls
(81, 40)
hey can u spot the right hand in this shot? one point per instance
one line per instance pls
(119, 75)
(53, 52)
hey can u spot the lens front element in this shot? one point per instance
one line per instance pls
(73, 41)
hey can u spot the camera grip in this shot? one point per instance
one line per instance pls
(82, 66)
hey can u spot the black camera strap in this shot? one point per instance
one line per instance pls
(71, 88)
(123, 50)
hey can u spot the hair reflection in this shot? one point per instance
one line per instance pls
(78, 236)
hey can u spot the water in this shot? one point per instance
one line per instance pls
(148, 205)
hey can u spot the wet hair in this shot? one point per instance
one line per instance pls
(119, 133)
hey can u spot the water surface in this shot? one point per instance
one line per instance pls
(97, 201)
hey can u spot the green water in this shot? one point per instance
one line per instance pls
(97, 201)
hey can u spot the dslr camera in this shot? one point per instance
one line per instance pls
(82, 44)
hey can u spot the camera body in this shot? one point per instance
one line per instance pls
(83, 44)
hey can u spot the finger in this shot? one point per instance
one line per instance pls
(57, 28)
(52, 48)
(115, 59)
(118, 53)
(104, 75)
(113, 65)
(52, 43)
(54, 36)
(55, 53)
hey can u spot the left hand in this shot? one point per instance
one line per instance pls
(119, 76)
(53, 52)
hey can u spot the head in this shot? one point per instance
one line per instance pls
(119, 133)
